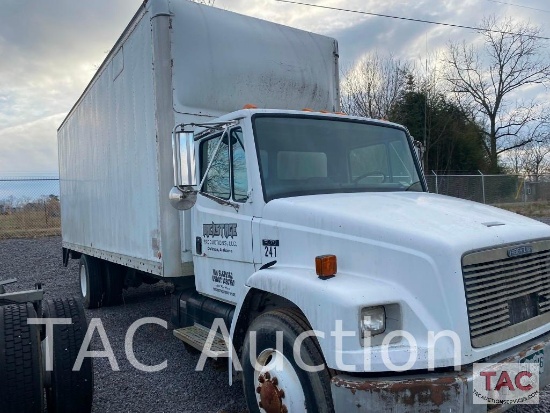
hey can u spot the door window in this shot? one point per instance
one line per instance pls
(217, 179)
(227, 177)
(238, 167)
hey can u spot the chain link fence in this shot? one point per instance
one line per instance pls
(29, 207)
(492, 189)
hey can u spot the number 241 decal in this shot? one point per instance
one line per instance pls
(270, 251)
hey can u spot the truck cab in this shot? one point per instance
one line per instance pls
(262, 158)
(414, 282)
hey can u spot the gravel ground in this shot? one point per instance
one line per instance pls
(178, 387)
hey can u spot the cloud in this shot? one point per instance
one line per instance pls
(30, 147)
(359, 34)
(50, 49)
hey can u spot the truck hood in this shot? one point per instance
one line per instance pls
(407, 219)
(399, 248)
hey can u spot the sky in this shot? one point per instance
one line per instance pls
(50, 49)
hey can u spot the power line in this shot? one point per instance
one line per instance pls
(519, 5)
(389, 16)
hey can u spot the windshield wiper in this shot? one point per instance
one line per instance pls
(412, 185)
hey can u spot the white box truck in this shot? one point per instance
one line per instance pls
(273, 219)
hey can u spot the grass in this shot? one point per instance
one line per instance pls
(530, 209)
(29, 224)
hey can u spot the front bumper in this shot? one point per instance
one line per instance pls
(430, 391)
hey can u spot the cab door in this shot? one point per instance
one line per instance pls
(222, 217)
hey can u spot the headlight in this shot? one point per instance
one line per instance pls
(373, 321)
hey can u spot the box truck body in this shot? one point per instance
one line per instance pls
(176, 62)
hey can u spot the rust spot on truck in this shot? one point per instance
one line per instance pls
(413, 392)
(524, 353)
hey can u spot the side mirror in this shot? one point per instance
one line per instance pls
(183, 195)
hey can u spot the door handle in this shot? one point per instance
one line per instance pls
(198, 245)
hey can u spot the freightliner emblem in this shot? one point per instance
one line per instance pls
(519, 251)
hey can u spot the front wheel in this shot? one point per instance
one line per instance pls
(273, 379)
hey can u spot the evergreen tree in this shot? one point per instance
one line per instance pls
(453, 141)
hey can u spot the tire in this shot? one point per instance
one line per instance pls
(68, 391)
(113, 283)
(265, 387)
(21, 389)
(91, 283)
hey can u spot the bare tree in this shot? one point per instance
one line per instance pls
(514, 161)
(536, 159)
(532, 159)
(372, 86)
(536, 154)
(486, 80)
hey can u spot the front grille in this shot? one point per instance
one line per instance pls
(507, 296)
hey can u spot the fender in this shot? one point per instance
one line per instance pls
(309, 293)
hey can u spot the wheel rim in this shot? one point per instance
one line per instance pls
(83, 282)
(278, 387)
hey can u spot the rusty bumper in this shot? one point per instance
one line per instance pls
(427, 391)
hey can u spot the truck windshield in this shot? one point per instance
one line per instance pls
(305, 155)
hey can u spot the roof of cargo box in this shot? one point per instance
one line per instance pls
(221, 59)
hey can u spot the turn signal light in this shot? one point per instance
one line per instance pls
(325, 266)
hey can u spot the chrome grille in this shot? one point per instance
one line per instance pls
(506, 296)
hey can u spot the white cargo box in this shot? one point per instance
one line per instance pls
(177, 61)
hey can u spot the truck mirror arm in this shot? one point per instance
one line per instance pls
(220, 201)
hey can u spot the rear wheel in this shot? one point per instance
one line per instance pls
(91, 283)
(21, 389)
(68, 391)
(273, 381)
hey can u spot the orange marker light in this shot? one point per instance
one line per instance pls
(325, 266)
(307, 110)
(250, 106)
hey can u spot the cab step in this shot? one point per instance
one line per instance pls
(196, 337)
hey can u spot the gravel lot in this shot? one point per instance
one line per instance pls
(178, 387)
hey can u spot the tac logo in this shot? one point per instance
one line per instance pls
(506, 383)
